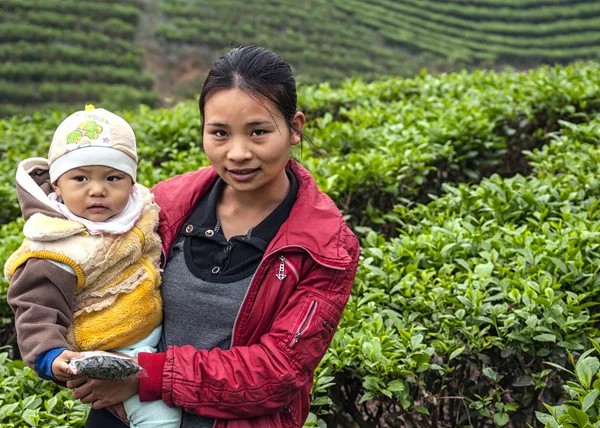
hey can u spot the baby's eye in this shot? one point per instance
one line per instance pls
(114, 178)
(259, 132)
(80, 178)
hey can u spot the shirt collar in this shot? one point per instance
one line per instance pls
(266, 229)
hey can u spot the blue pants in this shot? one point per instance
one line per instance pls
(151, 414)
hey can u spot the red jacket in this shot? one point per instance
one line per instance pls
(285, 324)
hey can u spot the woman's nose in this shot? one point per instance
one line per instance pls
(239, 152)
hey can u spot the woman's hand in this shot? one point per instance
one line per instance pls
(103, 393)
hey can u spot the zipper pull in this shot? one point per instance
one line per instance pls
(305, 324)
(281, 274)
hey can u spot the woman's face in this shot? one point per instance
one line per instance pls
(248, 141)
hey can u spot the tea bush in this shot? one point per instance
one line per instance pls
(457, 312)
(27, 400)
(450, 323)
(377, 143)
(582, 408)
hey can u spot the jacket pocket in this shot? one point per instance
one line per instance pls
(287, 418)
(312, 335)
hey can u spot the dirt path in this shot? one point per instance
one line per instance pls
(179, 69)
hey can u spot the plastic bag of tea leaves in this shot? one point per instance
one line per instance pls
(104, 365)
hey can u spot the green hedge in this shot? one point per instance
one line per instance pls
(403, 138)
(28, 401)
(113, 27)
(460, 305)
(454, 319)
(376, 143)
(127, 11)
(24, 51)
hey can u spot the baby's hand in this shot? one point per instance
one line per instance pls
(60, 365)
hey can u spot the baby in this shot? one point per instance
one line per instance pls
(86, 277)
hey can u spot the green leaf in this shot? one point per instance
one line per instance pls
(31, 417)
(545, 337)
(367, 396)
(456, 353)
(484, 270)
(579, 417)
(490, 372)
(589, 400)
(501, 419)
(8, 408)
(323, 400)
(583, 373)
(51, 403)
(560, 265)
(561, 368)
(416, 340)
(422, 410)
(547, 420)
(523, 381)
(396, 386)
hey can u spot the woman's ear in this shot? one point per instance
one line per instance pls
(298, 122)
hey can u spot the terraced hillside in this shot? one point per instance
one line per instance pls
(330, 40)
(320, 40)
(68, 52)
(508, 31)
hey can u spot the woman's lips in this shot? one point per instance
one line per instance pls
(242, 174)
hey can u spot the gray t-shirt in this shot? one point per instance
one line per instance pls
(198, 313)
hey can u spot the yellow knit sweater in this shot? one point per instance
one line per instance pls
(117, 299)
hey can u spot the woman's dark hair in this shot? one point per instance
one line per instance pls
(256, 71)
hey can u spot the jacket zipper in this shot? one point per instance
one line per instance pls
(258, 268)
(288, 413)
(305, 324)
(264, 259)
(285, 262)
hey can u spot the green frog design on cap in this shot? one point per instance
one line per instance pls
(89, 129)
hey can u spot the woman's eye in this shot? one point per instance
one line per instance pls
(259, 132)
(219, 133)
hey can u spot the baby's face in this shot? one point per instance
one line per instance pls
(96, 193)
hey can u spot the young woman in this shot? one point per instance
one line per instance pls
(259, 264)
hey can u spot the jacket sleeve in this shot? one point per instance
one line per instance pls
(41, 296)
(256, 380)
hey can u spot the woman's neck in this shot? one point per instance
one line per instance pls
(239, 211)
(260, 199)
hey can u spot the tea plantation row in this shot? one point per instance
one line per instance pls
(56, 52)
(376, 143)
(477, 30)
(61, 52)
(461, 297)
(378, 37)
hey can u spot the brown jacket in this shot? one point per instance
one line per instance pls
(113, 300)
(40, 328)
